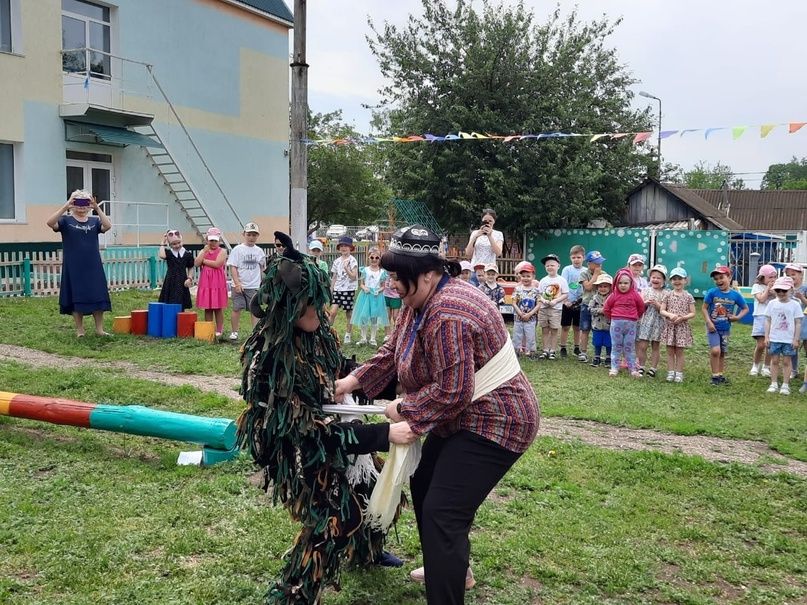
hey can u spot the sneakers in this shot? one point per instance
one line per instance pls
(613, 372)
(552, 355)
(419, 575)
(595, 362)
(754, 370)
(670, 376)
(346, 340)
(803, 388)
(563, 352)
(582, 357)
(640, 369)
(679, 377)
(577, 350)
(373, 342)
(715, 382)
(362, 341)
(765, 372)
(387, 559)
(607, 361)
(636, 374)
(544, 355)
(785, 389)
(218, 335)
(651, 373)
(774, 388)
(233, 335)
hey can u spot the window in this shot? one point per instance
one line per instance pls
(86, 42)
(7, 181)
(5, 26)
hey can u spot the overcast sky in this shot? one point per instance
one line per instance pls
(712, 62)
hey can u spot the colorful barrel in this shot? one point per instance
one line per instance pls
(204, 330)
(122, 324)
(170, 312)
(185, 321)
(140, 322)
(155, 327)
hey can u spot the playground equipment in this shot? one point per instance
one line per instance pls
(215, 435)
(161, 320)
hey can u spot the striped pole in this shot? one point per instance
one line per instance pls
(213, 433)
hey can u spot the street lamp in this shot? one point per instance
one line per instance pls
(647, 95)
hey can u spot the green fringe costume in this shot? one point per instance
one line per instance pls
(288, 375)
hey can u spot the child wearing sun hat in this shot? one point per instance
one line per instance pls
(212, 292)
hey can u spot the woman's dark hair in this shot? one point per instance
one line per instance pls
(489, 211)
(408, 268)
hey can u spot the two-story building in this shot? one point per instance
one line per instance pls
(175, 113)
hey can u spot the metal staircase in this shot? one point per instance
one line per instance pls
(183, 193)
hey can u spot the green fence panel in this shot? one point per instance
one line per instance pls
(699, 252)
(616, 245)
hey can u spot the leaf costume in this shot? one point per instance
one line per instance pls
(288, 374)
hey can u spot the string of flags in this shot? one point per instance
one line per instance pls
(635, 137)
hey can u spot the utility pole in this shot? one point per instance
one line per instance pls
(298, 151)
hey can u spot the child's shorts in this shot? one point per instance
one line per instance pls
(549, 318)
(344, 299)
(758, 329)
(718, 338)
(570, 316)
(242, 299)
(585, 318)
(782, 348)
(392, 303)
(601, 338)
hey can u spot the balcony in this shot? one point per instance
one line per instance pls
(100, 88)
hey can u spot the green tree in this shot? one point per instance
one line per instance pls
(704, 176)
(792, 175)
(498, 71)
(343, 186)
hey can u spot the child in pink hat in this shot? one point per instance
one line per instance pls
(212, 292)
(762, 292)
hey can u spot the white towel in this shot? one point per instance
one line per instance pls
(403, 460)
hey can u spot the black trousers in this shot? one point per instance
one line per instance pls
(454, 477)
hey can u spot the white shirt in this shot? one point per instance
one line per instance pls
(250, 261)
(342, 282)
(552, 287)
(783, 318)
(483, 253)
(759, 307)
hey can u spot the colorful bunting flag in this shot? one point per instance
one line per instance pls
(666, 133)
(641, 137)
(795, 126)
(765, 130)
(737, 132)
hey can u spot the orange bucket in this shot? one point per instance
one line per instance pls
(185, 321)
(122, 325)
(140, 322)
(204, 330)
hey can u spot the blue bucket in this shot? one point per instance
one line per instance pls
(156, 319)
(170, 312)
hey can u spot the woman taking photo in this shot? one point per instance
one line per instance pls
(485, 243)
(83, 290)
(463, 388)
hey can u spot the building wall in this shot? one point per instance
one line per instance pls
(651, 204)
(224, 69)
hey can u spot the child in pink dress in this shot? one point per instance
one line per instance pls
(212, 293)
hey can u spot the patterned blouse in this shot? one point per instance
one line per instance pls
(435, 354)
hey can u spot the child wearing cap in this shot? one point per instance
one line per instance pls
(247, 261)
(719, 306)
(570, 313)
(344, 281)
(525, 307)
(211, 295)
(466, 268)
(490, 287)
(600, 322)
(478, 275)
(588, 276)
(762, 292)
(315, 249)
(636, 266)
(783, 319)
(650, 323)
(553, 291)
(677, 308)
(796, 273)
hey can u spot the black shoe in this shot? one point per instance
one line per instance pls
(595, 362)
(651, 372)
(576, 350)
(723, 380)
(387, 559)
(552, 355)
(563, 352)
(716, 381)
(607, 361)
(543, 355)
(640, 369)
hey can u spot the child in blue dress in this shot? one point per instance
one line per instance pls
(371, 310)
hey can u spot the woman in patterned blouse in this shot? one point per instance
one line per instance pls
(446, 332)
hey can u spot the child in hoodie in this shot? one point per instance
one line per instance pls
(624, 307)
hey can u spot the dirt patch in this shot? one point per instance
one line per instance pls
(714, 449)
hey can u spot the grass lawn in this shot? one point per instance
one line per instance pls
(93, 517)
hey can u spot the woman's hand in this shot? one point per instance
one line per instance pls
(401, 434)
(344, 386)
(391, 411)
